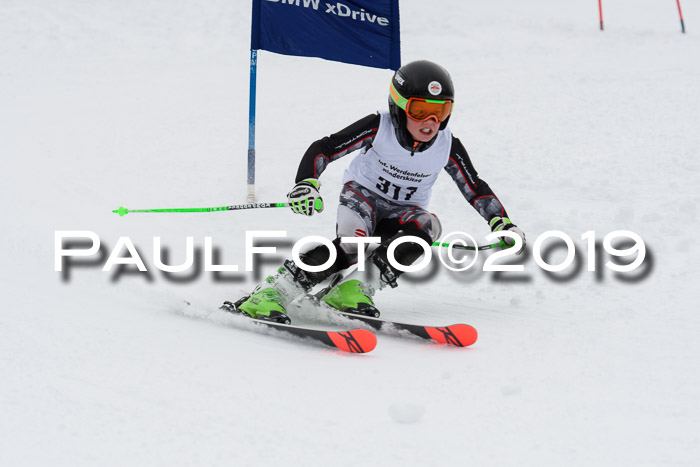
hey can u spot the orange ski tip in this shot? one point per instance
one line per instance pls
(355, 341)
(459, 335)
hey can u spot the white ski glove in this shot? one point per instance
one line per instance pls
(503, 223)
(305, 198)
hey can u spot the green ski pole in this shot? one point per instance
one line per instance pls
(122, 211)
(500, 244)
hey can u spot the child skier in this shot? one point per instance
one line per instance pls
(385, 193)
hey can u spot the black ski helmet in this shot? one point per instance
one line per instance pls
(424, 79)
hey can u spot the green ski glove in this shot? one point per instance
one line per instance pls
(305, 198)
(503, 223)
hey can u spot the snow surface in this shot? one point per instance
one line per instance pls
(143, 104)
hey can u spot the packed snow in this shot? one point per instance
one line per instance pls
(144, 104)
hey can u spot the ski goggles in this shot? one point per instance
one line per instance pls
(420, 109)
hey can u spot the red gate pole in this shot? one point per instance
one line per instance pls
(680, 13)
(600, 10)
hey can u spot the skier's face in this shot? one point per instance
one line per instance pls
(423, 131)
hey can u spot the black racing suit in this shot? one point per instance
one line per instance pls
(361, 134)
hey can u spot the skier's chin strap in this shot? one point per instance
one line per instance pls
(408, 143)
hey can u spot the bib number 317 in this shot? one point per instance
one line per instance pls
(396, 191)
